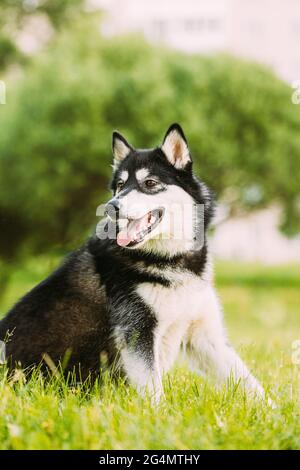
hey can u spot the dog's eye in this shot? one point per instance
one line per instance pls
(150, 183)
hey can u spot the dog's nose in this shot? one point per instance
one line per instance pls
(112, 208)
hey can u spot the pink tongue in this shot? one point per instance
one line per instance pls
(128, 234)
(123, 239)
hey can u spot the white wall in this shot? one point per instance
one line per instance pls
(265, 30)
(255, 237)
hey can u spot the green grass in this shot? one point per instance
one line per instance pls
(261, 308)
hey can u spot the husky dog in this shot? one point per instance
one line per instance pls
(140, 297)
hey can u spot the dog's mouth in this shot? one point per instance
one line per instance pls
(137, 229)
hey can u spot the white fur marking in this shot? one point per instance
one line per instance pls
(141, 174)
(124, 176)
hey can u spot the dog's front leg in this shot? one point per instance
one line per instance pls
(209, 351)
(140, 363)
(144, 375)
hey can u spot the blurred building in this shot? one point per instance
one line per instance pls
(255, 237)
(267, 31)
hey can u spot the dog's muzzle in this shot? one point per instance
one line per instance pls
(112, 209)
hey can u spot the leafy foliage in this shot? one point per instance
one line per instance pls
(8, 52)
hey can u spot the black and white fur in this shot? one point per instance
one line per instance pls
(138, 305)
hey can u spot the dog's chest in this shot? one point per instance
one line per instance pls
(175, 307)
(182, 301)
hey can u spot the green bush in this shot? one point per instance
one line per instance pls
(56, 129)
(8, 52)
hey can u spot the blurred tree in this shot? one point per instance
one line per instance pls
(8, 52)
(15, 13)
(55, 135)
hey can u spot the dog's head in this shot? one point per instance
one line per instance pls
(158, 204)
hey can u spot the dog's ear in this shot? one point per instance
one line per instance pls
(175, 147)
(120, 148)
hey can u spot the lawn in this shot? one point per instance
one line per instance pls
(261, 308)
